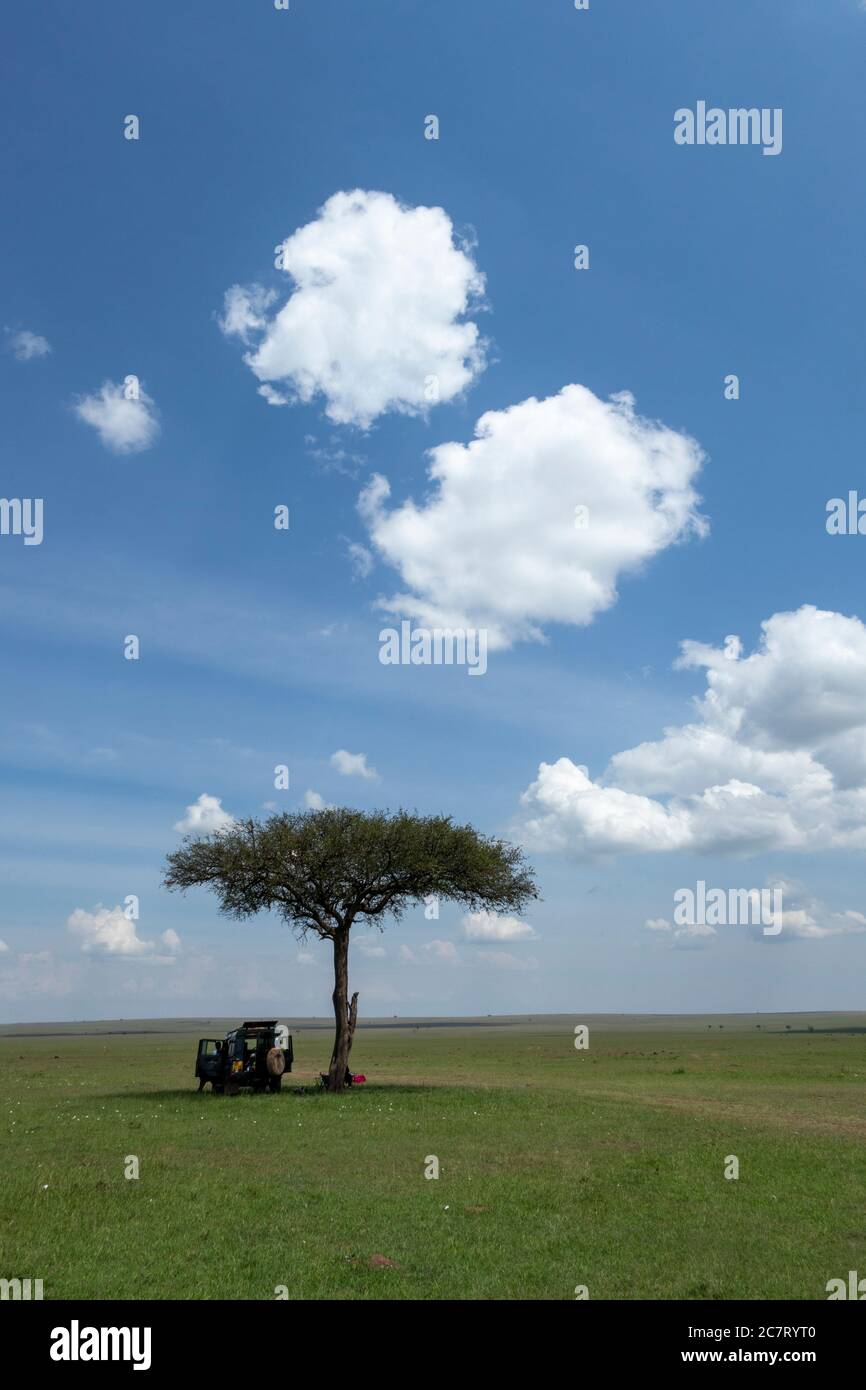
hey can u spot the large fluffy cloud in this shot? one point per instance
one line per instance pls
(537, 518)
(775, 758)
(376, 321)
(109, 932)
(204, 816)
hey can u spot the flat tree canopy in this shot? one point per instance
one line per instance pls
(322, 871)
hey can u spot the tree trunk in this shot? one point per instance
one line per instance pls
(345, 1013)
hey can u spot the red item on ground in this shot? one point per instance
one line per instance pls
(358, 1080)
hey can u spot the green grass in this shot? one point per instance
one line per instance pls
(558, 1167)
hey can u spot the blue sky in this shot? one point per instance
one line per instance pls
(261, 647)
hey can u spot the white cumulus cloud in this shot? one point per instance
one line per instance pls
(204, 815)
(125, 425)
(536, 520)
(376, 319)
(482, 927)
(353, 765)
(806, 918)
(802, 917)
(775, 758)
(109, 932)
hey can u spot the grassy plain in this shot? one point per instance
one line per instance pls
(602, 1167)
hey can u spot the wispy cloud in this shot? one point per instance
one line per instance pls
(25, 345)
(361, 558)
(694, 937)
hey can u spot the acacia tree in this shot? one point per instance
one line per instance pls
(322, 871)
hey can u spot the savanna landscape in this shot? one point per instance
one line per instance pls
(432, 672)
(558, 1167)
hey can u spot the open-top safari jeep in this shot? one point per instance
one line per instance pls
(256, 1054)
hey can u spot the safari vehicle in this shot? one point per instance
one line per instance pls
(256, 1055)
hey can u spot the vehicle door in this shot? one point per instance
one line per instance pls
(209, 1060)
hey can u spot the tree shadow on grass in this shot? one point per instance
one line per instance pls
(377, 1088)
(302, 1092)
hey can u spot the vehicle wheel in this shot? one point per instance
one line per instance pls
(275, 1084)
(276, 1061)
(215, 1089)
(230, 1090)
